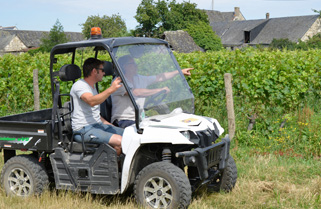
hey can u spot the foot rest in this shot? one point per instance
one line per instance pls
(90, 147)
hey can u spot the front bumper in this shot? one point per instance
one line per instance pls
(205, 158)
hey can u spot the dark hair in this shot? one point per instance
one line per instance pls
(90, 64)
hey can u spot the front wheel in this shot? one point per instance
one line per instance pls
(226, 180)
(23, 176)
(162, 185)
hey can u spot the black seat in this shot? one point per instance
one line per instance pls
(69, 72)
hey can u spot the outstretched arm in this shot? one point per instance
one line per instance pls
(169, 75)
(148, 92)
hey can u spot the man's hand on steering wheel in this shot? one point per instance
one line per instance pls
(157, 98)
(166, 89)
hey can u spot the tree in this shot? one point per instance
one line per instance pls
(155, 18)
(180, 15)
(164, 15)
(113, 26)
(55, 36)
(147, 16)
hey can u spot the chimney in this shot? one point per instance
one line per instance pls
(267, 16)
(237, 11)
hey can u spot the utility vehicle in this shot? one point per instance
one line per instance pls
(168, 154)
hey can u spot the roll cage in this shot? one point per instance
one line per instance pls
(101, 44)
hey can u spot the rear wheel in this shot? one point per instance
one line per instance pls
(23, 175)
(225, 180)
(162, 185)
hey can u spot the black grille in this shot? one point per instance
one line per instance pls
(214, 156)
(207, 137)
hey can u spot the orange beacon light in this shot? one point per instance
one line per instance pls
(95, 33)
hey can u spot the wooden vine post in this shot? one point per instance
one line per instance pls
(36, 93)
(229, 104)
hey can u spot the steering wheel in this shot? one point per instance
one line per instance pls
(155, 99)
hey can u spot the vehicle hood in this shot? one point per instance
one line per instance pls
(168, 127)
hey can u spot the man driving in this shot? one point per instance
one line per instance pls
(123, 112)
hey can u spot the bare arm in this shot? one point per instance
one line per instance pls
(148, 92)
(169, 75)
(101, 97)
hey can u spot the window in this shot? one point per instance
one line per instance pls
(247, 36)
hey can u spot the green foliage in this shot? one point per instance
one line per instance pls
(283, 43)
(180, 15)
(312, 43)
(16, 86)
(164, 15)
(271, 84)
(260, 78)
(33, 52)
(147, 16)
(276, 85)
(111, 26)
(204, 36)
(55, 36)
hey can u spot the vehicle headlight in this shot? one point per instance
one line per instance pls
(186, 134)
(191, 136)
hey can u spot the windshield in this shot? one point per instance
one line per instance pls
(154, 79)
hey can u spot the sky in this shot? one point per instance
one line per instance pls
(41, 15)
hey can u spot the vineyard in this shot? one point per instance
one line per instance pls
(278, 91)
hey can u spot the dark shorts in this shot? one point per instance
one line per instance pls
(125, 123)
(97, 133)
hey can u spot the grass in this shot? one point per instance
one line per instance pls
(264, 181)
(277, 168)
(295, 133)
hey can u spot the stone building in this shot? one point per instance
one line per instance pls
(8, 28)
(17, 41)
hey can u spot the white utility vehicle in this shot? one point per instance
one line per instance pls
(168, 153)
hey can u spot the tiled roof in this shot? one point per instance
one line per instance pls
(292, 28)
(216, 16)
(181, 41)
(263, 31)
